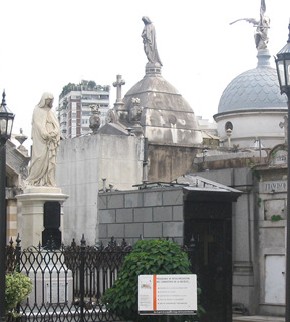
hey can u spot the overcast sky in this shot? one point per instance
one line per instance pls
(47, 44)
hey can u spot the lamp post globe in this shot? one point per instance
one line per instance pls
(6, 123)
(283, 71)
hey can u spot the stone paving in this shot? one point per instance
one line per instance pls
(257, 318)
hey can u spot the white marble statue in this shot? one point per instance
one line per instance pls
(46, 138)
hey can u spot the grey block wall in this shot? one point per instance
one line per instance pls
(152, 213)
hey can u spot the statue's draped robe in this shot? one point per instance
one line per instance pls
(150, 45)
(46, 137)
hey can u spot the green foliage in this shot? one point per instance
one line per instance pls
(18, 286)
(85, 85)
(276, 218)
(147, 257)
(91, 84)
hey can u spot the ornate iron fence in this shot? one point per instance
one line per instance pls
(68, 282)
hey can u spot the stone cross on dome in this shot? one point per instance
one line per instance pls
(118, 84)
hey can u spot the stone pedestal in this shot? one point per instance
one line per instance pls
(31, 208)
(52, 280)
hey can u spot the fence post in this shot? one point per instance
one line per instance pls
(17, 267)
(82, 278)
(17, 253)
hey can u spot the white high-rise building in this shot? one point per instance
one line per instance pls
(74, 107)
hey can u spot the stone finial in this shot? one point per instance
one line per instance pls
(21, 138)
(135, 111)
(95, 120)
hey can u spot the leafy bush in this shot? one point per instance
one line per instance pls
(147, 257)
(18, 286)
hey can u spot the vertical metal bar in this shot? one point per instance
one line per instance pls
(3, 227)
(17, 264)
(18, 253)
(82, 279)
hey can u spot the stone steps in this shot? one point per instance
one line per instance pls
(257, 318)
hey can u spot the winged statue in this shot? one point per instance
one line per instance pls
(262, 27)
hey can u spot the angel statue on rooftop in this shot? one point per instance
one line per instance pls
(262, 27)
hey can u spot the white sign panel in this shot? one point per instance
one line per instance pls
(167, 294)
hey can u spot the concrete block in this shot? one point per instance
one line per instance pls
(223, 176)
(133, 200)
(107, 216)
(115, 201)
(153, 199)
(142, 214)
(275, 207)
(152, 230)
(173, 197)
(133, 230)
(173, 229)
(272, 237)
(103, 230)
(124, 215)
(179, 240)
(243, 177)
(162, 214)
(243, 280)
(116, 230)
(102, 202)
(177, 213)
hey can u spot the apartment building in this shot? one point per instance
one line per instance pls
(74, 107)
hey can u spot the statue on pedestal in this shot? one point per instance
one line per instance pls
(262, 27)
(46, 137)
(149, 40)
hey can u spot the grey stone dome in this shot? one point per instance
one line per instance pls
(167, 117)
(256, 88)
(159, 95)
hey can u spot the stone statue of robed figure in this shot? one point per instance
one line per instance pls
(149, 41)
(46, 137)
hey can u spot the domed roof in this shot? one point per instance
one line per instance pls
(167, 118)
(256, 88)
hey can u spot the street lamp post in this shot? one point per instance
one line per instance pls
(283, 70)
(6, 122)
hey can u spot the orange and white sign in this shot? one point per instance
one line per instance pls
(167, 294)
